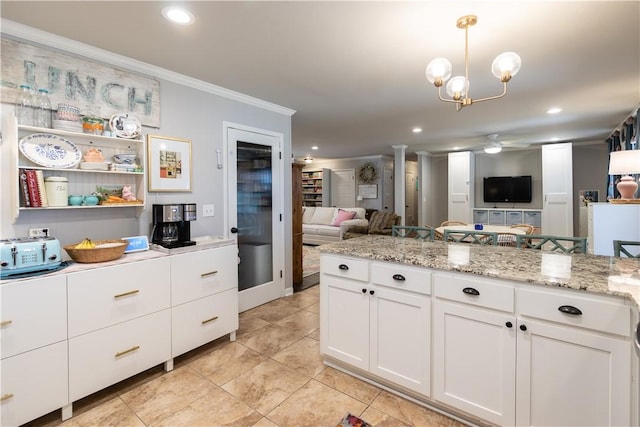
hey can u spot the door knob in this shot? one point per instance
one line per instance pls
(234, 230)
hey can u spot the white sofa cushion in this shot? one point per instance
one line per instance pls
(322, 215)
(307, 214)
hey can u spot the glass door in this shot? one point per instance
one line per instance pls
(256, 220)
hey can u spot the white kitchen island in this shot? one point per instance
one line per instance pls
(488, 334)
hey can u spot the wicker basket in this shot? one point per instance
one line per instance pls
(97, 254)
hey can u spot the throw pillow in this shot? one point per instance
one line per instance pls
(342, 216)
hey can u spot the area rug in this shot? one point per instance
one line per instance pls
(352, 421)
(310, 260)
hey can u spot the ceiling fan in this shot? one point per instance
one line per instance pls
(495, 146)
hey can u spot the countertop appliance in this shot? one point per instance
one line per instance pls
(29, 254)
(171, 224)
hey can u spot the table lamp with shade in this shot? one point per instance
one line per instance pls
(625, 163)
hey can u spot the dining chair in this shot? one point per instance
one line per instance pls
(446, 223)
(552, 243)
(471, 236)
(419, 233)
(622, 248)
(528, 229)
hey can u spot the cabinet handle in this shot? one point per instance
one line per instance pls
(508, 324)
(523, 327)
(471, 291)
(135, 291)
(399, 277)
(122, 353)
(204, 322)
(211, 273)
(6, 323)
(6, 397)
(569, 309)
(371, 292)
(344, 267)
(364, 291)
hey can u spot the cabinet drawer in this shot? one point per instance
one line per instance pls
(532, 218)
(596, 314)
(356, 269)
(105, 296)
(401, 277)
(480, 216)
(34, 383)
(33, 314)
(197, 274)
(496, 217)
(462, 288)
(107, 356)
(198, 322)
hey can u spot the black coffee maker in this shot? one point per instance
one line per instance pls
(171, 224)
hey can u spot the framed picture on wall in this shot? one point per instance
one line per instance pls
(369, 191)
(168, 164)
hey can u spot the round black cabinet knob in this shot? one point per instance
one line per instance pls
(523, 327)
(508, 324)
(364, 291)
(371, 292)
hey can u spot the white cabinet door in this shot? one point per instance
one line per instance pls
(566, 377)
(557, 189)
(400, 338)
(33, 314)
(474, 361)
(344, 313)
(33, 384)
(460, 179)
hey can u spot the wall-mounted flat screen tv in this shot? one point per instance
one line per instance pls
(507, 189)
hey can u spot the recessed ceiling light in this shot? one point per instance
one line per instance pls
(315, 147)
(416, 130)
(178, 15)
(554, 110)
(555, 138)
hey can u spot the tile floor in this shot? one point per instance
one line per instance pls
(272, 375)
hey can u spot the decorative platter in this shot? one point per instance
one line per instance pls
(50, 150)
(124, 126)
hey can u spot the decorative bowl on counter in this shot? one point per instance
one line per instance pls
(105, 250)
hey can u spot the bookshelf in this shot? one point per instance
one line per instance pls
(316, 187)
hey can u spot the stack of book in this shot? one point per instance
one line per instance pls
(32, 190)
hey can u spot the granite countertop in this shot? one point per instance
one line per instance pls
(591, 273)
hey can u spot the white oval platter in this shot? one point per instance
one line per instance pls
(50, 150)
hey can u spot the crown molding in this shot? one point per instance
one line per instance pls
(25, 33)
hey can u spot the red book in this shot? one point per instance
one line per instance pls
(32, 185)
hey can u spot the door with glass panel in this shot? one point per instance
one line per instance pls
(255, 207)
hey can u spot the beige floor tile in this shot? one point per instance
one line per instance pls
(217, 408)
(271, 339)
(273, 311)
(313, 290)
(314, 308)
(347, 384)
(227, 362)
(380, 419)
(304, 321)
(409, 412)
(265, 386)
(315, 335)
(168, 394)
(315, 404)
(303, 356)
(265, 422)
(111, 413)
(301, 299)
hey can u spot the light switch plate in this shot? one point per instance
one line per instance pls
(207, 210)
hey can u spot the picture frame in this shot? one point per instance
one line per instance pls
(368, 191)
(168, 164)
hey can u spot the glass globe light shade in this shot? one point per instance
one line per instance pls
(493, 148)
(506, 62)
(457, 86)
(439, 68)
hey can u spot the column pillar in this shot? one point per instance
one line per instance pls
(399, 181)
(425, 198)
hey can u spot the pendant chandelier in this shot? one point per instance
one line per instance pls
(505, 66)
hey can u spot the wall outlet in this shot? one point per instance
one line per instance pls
(207, 210)
(38, 232)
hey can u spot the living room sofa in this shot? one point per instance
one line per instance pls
(328, 224)
(379, 223)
